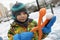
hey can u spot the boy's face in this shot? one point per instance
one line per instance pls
(22, 17)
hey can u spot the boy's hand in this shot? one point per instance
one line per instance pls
(23, 36)
(47, 28)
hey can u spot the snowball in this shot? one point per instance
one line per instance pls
(49, 16)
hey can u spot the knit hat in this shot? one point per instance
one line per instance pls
(17, 8)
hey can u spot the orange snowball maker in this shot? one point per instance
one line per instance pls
(39, 27)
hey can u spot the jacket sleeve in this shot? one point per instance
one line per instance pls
(10, 33)
(35, 23)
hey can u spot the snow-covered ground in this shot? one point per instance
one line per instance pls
(55, 34)
(5, 26)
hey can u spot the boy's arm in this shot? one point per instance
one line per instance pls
(47, 29)
(10, 34)
(35, 32)
(23, 36)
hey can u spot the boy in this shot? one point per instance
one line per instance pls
(22, 24)
(21, 21)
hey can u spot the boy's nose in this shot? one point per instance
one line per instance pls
(22, 15)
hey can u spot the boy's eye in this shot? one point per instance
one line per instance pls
(24, 13)
(19, 14)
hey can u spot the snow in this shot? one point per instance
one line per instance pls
(55, 34)
(5, 26)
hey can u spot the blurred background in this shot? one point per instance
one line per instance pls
(32, 6)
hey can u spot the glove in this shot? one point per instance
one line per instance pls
(16, 37)
(1, 38)
(47, 28)
(23, 36)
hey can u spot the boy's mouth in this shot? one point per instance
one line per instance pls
(22, 19)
